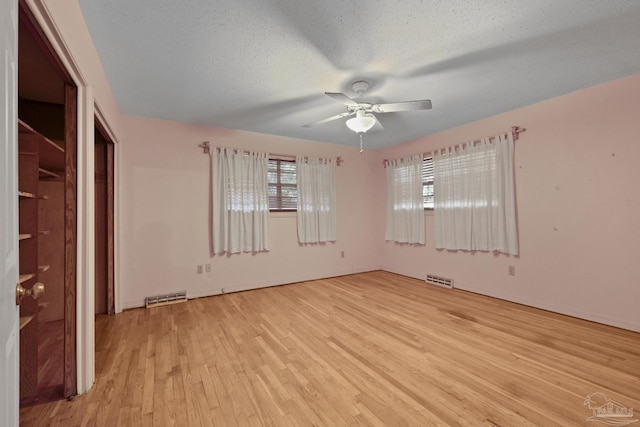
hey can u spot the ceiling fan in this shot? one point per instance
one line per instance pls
(363, 111)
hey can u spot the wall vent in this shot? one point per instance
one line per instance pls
(173, 298)
(440, 281)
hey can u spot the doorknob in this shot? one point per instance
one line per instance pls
(35, 292)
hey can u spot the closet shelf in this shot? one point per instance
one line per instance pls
(24, 277)
(26, 195)
(24, 236)
(43, 268)
(25, 128)
(25, 320)
(51, 154)
(44, 173)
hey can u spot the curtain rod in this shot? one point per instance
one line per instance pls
(206, 149)
(515, 131)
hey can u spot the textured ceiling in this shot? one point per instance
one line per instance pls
(263, 65)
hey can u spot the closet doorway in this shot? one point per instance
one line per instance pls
(104, 222)
(47, 163)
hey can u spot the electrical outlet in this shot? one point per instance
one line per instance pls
(207, 268)
(199, 269)
(512, 270)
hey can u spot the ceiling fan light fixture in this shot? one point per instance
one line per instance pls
(361, 122)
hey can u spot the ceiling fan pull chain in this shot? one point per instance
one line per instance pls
(361, 149)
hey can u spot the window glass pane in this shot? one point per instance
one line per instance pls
(283, 191)
(427, 182)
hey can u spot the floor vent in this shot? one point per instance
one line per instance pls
(173, 298)
(440, 281)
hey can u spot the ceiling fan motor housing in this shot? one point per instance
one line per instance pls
(360, 87)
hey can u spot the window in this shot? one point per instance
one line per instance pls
(283, 190)
(476, 198)
(405, 200)
(427, 182)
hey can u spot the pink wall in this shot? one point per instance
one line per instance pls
(164, 215)
(577, 203)
(577, 180)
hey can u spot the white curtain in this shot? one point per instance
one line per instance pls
(240, 201)
(316, 200)
(405, 202)
(475, 197)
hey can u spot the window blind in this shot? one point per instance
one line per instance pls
(427, 182)
(283, 191)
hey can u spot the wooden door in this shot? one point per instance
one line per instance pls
(9, 388)
(70, 238)
(104, 222)
(111, 305)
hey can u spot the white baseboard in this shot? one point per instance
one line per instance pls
(543, 305)
(225, 289)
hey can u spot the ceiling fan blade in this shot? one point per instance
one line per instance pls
(339, 116)
(378, 125)
(341, 97)
(393, 107)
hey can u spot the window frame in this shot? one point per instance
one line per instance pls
(427, 182)
(279, 185)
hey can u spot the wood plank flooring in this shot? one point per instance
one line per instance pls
(369, 349)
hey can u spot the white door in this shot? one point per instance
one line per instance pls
(9, 330)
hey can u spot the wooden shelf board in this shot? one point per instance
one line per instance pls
(43, 268)
(24, 277)
(51, 154)
(44, 173)
(24, 128)
(26, 195)
(25, 320)
(24, 236)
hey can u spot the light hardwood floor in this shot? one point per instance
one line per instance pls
(368, 349)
